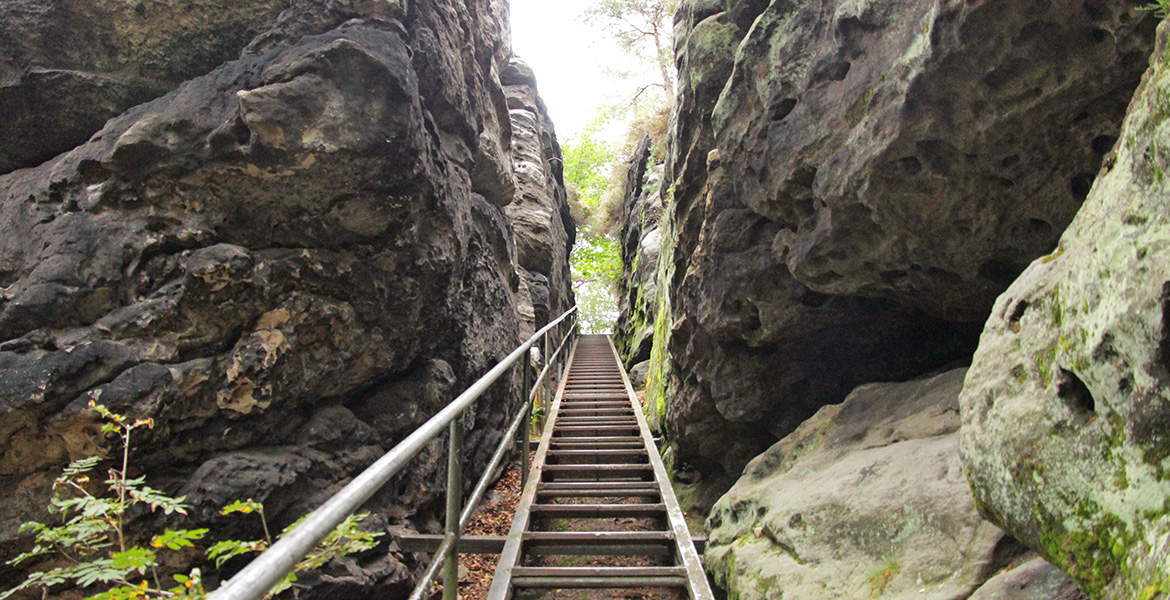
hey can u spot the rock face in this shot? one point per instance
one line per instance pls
(66, 67)
(853, 183)
(641, 244)
(540, 211)
(288, 262)
(1066, 411)
(1036, 579)
(865, 499)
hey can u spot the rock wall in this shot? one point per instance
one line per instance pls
(1066, 412)
(852, 183)
(66, 67)
(641, 245)
(540, 211)
(288, 262)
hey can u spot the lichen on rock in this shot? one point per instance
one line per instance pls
(1065, 409)
(865, 499)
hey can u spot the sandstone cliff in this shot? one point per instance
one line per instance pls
(852, 183)
(850, 187)
(288, 261)
(1066, 411)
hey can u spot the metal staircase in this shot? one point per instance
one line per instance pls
(597, 510)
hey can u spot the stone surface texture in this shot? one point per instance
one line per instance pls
(289, 262)
(1066, 409)
(866, 499)
(540, 210)
(641, 243)
(68, 66)
(851, 185)
(1035, 579)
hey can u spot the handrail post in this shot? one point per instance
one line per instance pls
(454, 507)
(525, 367)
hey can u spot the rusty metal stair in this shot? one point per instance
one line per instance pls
(597, 462)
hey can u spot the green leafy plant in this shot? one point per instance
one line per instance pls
(596, 264)
(93, 550)
(1160, 8)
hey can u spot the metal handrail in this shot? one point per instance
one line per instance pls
(268, 569)
(447, 554)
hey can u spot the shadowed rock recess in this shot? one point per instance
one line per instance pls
(288, 262)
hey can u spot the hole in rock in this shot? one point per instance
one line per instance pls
(892, 276)
(813, 299)
(1009, 160)
(832, 72)
(783, 108)
(1102, 144)
(911, 165)
(805, 176)
(1075, 393)
(1017, 314)
(852, 31)
(1098, 35)
(999, 272)
(1080, 186)
(1164, 342)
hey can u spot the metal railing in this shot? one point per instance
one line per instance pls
(266, 570)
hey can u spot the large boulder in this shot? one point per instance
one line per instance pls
(854, 182)
(1035, 579)
(288, 264)
(865, 499)
(1066, 409)
(67, 66)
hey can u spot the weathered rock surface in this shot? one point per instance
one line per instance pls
(641, 244)
(544, 229)
(66, 67)
(854, 182)
(288, 263)
(865, 499)
(1036, 579)
(1066, 409)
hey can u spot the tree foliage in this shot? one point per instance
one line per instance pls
(595, 260)
(643, 28)
(588, 160)
(594, 170)
(597, 265)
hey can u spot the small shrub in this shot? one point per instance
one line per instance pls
(92, 541)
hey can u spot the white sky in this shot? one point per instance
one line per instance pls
(570, 59)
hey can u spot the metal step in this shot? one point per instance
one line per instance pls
(598, 577)
(597, 460)
(598, 511)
